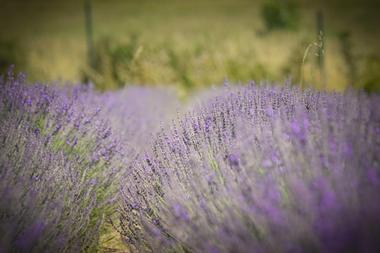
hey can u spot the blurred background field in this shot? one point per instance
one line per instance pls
(194, 44)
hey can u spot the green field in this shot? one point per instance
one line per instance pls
(188, 44)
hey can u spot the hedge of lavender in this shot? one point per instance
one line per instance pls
(260, 169)
(61, 161)
(250, 169)
(57, 163)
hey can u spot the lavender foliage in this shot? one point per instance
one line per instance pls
(260, 169)
(58, 162)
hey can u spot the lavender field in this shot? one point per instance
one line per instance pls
(202, 126)
(246, 168)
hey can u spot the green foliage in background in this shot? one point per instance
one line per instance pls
(113, 63)
(10, 54)
(188, 64)
(191, 45)
(280, 14)
(370, 74)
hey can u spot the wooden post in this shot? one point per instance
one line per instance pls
(321, 47)
(89, 33)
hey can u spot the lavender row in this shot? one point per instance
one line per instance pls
(260, 169)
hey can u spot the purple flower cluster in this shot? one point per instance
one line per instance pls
(260, 169)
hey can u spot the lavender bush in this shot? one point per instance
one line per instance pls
(260, 169)
(58, 162)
